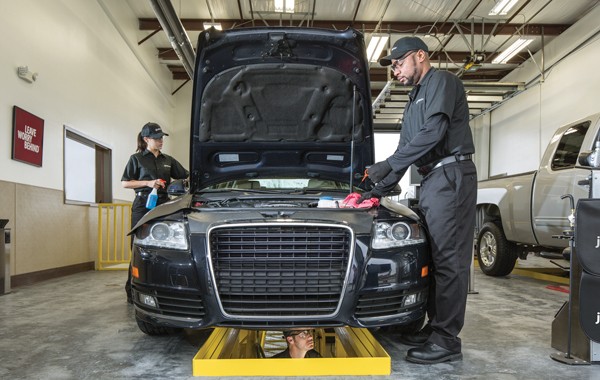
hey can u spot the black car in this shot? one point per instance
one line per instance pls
(281, 134)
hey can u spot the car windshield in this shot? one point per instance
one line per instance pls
(280, 184)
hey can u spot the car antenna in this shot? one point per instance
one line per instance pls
(352, 140)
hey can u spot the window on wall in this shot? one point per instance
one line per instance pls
(87, 169)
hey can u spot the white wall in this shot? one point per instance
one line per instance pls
(180, 139)
(480, 127)
(515, 134)
(89, 79)
(520, 129)
(92, 79)
(385, 146)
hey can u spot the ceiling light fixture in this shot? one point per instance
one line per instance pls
(208, 25)
(502, 7)
(282, 6)
(512, 50)
(376, 45)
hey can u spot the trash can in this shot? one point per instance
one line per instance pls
(4, 257)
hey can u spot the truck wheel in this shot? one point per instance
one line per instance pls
(496, 255)
(154, 330)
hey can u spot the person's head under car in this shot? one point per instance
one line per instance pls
(299, 341)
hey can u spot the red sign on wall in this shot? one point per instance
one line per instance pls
(28, 137)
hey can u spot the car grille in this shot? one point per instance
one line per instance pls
(180, 305)
(280, 270)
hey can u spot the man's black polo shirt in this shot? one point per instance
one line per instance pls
(439, 95)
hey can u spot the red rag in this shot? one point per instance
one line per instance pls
(350, 202)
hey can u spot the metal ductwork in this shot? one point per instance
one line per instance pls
(171, 24)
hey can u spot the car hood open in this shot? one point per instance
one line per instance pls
(275, 102)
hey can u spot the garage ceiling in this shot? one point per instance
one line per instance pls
(457, 32)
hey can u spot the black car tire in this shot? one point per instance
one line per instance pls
(496, 255)
(154, 330)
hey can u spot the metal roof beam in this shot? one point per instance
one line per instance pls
(194, 24)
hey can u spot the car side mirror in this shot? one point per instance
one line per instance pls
(177, 187)
(584, 158)
(591, 158)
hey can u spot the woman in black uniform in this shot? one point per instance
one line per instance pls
(149, 168)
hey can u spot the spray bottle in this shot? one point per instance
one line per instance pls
(153, 197)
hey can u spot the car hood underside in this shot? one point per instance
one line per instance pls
(275, 100)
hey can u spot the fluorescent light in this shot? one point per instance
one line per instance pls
(376, 45)
(289, 6)
(512, 50)
(502, 7)
(217, 25)
(286, 6)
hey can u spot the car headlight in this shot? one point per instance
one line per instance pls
(399, 234)
(164, 235)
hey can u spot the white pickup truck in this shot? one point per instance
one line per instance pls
(523, 213)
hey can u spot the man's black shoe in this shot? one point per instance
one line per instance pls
(431, 353)
(415, 339)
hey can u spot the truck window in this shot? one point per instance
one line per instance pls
(569, 146)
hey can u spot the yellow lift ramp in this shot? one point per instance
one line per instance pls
(236, 352)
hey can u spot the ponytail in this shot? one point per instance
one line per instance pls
(141, 143)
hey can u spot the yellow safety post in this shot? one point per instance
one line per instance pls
(114, 250)
(235, 352)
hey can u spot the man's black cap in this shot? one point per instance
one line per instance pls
(403, 46)
(153, 130)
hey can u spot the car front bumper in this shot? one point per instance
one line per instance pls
(221, 282)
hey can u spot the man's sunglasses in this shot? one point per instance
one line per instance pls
(303, 334)
(400, 61)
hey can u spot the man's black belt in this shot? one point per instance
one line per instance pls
(426, 169)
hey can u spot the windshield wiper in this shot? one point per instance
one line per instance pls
(226, 190)
(316, 191)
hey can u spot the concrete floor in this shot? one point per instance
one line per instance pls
(80, 327)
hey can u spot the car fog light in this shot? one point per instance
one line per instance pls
(148, 300)
(410, 299)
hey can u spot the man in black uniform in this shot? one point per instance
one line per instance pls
(149, 168)
(436, 137)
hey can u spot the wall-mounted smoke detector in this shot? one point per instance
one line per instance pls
(24, 73)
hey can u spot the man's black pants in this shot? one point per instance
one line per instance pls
(448, 200)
